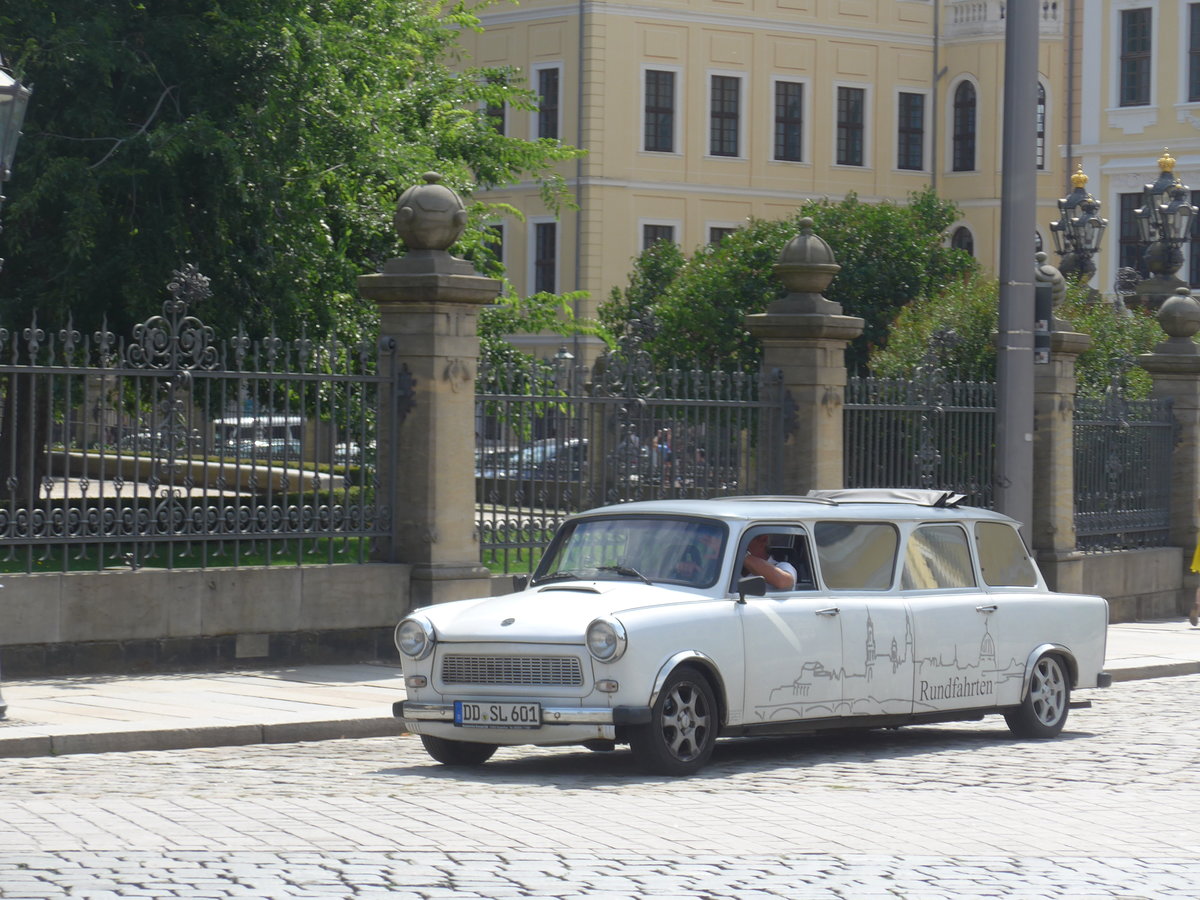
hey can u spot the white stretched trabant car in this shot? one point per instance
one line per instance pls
(640, 627)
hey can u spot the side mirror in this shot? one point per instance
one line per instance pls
(520, 582)
(754, 585)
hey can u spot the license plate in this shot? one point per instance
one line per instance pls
(497, 715)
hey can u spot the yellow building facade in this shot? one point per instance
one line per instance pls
(1139, 70)
(698, 115)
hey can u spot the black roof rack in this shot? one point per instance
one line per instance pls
(780, 498)
(917, 496)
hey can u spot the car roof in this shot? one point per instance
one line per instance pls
(850, 503)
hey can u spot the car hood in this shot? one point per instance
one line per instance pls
(552, 613)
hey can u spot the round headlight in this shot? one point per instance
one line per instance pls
(414, 638)
(606, 639)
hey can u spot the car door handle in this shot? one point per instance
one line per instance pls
(829, 611)
(987, 609)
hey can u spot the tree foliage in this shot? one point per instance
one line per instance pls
(891, 255)
(265, 141)
(955, 330)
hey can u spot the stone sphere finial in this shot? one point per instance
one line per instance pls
(1179, 316)
(430, 216)
(807, 264)
(1048, 273)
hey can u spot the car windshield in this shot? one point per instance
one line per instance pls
(671, 549)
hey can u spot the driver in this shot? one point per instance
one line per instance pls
(780, 576)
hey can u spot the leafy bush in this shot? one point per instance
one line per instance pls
(890, 254)
(955, 330)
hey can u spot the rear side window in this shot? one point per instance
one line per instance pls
(856, 556)
(1003, 559)
(937, 556)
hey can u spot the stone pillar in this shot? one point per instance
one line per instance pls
(1174, 366)
(428, 304)
(1052, 530)
(804, 337)
(1053, 526)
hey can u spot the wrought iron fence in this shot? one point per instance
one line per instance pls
(1122, 472)
(555, 438)
(173, 449)
(923, 432)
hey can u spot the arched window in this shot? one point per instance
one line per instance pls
(1041, 126)
(964, 127)
(962, 239)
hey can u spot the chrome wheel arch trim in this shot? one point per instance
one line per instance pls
(1041, 650)
(686, 656)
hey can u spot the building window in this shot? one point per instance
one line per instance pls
(1129, 245)
(1135, 57)
(718, 233)
(910, 132)
(789, 121)
(545, 257)
(1194, 52)
(1040, 133)
(548, 103)
(495, 111)
(724, 115)
(493, 240)
(652, 234)
(962, 239)
(660, 111)
(851, 119)
(964, 128)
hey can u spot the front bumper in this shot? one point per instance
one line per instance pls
(551, 715)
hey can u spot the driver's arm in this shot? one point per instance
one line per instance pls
(781, 578)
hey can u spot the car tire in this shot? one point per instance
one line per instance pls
(457, 753)
(682, 731)
(1043, 712)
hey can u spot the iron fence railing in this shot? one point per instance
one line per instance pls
(555, 439)
(173, 449)
(921, 432)
(1122, 472)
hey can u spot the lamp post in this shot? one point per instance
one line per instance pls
(14, 97)
(1078, 231)
(1164, 223)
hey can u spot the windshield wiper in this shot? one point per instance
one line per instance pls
(627, 572)
(561, 576)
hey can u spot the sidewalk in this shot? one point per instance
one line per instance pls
(98, 714)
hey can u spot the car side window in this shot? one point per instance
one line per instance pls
(937, 556)
(856, 555)
(1003, 559)
(793, 550)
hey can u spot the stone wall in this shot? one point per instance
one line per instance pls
(154, 620)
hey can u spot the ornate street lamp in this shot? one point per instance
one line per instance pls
(1164, 223)
(14, 97)
(1078, 231)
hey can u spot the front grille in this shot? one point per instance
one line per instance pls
(459, 668)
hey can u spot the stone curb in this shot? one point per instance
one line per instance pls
(1157, 670)
(192, 738)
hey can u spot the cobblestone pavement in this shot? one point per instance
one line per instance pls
(1109, 810)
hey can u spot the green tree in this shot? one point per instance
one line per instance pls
(265, 141)
(951, 329)
(954, 329)
(653, 271)
(891, 254)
